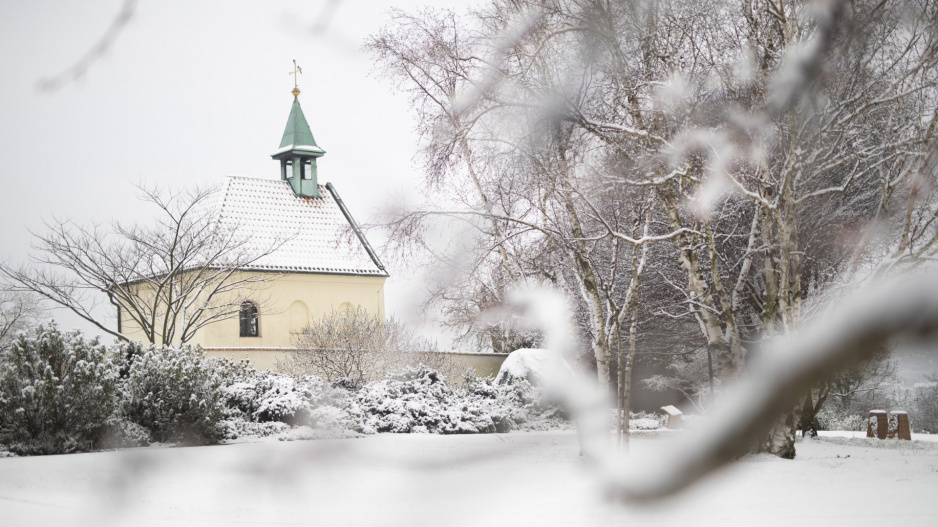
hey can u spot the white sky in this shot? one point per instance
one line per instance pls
(191, 92)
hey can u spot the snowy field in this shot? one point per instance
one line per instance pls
(531, 478)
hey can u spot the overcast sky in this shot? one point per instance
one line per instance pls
(191, 92)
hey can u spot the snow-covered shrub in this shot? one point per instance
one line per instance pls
(527, 406)
(283, 399)
(307, 400)
(510, 406)
(334, 408)
(647, 421)
(57, 392)
(831, 419)
(418, 400)
(519, 405)
(176, 394)
(243, 387)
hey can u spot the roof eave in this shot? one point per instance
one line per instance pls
(314, 151)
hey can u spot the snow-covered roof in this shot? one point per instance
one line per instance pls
(318, 235)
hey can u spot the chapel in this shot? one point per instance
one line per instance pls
(323, 261)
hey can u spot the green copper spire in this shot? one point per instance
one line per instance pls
(298, 153)
(297, 133)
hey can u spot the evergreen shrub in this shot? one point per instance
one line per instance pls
(418, 400)
(304, 400)
(58, 392)
(176, 394)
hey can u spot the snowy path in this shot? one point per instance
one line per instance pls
(412, 480)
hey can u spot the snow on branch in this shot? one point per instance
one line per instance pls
(635, 132)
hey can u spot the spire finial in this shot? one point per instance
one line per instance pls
(296, 70)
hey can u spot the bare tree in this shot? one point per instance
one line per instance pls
(169, 278)
(926, 403)
(355, 346)
(18, 311)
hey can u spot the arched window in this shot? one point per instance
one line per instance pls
(248, 317)
(299, 316)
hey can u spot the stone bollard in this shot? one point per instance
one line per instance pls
(674, 416)
(878, 425)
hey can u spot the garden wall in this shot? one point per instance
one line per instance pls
(484, 364)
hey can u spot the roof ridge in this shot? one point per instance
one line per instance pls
(254, 178)
(236, 176)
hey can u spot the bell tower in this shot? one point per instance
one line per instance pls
(298, 150)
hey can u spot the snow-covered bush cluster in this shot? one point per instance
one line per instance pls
(418, 400)
(61, 393)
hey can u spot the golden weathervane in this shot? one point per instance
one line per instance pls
(296, 70)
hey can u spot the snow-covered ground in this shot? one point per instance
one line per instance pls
(533, 478)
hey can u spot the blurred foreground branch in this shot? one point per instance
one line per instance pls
(854, 332)
(81, 67)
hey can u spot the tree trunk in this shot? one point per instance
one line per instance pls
(625, 378)
(699, 290)
(781, 440)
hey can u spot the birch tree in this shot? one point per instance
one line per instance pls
(798, 138)
(755, 129)
(530, 185)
